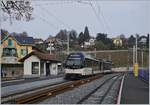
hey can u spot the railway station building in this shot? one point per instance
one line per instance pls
(40, 64)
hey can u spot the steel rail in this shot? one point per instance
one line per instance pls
(11, 97)
(87, 96)
(102, 99)
(52, 91)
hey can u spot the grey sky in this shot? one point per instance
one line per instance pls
(116, 17)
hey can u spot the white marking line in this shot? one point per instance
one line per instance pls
(12, 81)
(120, 91)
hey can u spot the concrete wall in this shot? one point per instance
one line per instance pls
(120, 69)
(28, 64)
(54, 69)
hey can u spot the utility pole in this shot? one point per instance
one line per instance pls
(142, 57)
(136, 51)
(50, 48)
(67, 42)
(133, 55)
(95, 52)
(0, 16)
(0, 34)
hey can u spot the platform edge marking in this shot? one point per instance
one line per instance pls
(120, 91)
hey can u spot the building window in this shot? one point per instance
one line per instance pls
(23, 52)
(9, 52)
(10, 42)
(35, 67)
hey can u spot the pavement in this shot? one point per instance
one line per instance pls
(13, 89)
(134, 91)
(21, 80)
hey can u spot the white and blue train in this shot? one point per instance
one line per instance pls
(80, 65)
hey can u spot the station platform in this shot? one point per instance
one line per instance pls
(16, 88)
(134, 91)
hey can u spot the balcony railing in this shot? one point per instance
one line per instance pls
(9, 60)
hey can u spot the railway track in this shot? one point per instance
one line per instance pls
(41, 94)
(99, 95)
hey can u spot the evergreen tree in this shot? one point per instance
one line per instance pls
(73, 35)
(62, 35)
(81, 38)
(131, 41)
(86, 34)
(124, 41)
(103, 37)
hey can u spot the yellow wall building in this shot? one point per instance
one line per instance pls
(117, 42)
(14, 48)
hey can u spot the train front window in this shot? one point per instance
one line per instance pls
(71, 62)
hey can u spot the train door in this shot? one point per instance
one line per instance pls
(102, 66)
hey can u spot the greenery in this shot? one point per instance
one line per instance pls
(81, 38)
(99, 45)
(76, 41)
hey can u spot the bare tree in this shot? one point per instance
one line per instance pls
(17, 9)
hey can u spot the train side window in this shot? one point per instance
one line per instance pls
(87, 63)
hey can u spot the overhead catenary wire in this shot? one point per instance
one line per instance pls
(55, 17)
(98, 17)
(65, 2)
(47, 22)
(101, 14)
(95, 12)
(70, 1)
(54, 3)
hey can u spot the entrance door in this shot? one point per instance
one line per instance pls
(47, 69)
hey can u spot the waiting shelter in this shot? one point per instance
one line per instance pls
(40, 64)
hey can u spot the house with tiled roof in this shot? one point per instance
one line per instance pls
(40, 64)
(13, 48)
(38, 41)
